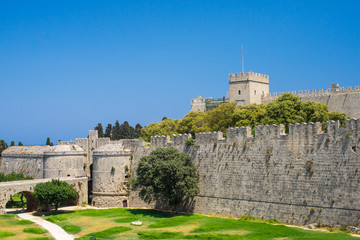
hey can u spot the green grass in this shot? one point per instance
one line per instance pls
(176, 221)
(72, 229)
(6, 234)
(160, 235)
(8, 216)
(35, 230)
(126, 219)
(106, 234)
(13, 177)
(116, 224)
(56, 218)
(23, 222)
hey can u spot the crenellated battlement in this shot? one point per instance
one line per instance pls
(335, 89)
(180, 139)
(270, 131)
(209, 137)
(266, 132)
(235, 77)
(160, 141)
(238, 133)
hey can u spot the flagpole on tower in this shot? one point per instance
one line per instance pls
(242, 58)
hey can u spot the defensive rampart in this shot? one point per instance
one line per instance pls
(338, 99)
(303, 176)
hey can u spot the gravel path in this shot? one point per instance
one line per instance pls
(57, 232)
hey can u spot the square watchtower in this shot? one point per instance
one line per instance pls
(247, 88)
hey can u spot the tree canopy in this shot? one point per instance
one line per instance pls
(167, 175)
(286, 109)
(54, 193)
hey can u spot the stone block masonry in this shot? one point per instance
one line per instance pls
(306, 175)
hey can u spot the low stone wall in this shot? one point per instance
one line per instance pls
(8, 189)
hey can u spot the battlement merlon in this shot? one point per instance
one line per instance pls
(248, 76)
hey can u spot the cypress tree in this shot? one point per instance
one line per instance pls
(116, 131)
(138, 128)
(3, 146)
(108, 130)
(48, 141)
(99, 127)
(12, 143)
(20, 144)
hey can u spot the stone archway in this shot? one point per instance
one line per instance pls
(31, 203)
(26, 187)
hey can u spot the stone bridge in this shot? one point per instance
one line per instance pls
(26, 187)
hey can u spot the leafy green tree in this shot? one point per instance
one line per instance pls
(108, 130)
(3, 146)
(12, 143)
(48, 143)
(20, 144)
(220, 118)
(100, 130)
(249, 115)
(193, 122)
(166, 175)
(165, 127)
(288, 108)
(54, 193)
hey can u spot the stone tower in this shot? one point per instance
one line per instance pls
(247, 88)
(198, 104)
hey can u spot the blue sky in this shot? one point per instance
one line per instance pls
(67, 65)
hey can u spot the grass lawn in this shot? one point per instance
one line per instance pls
(12, 228)
(116, 224)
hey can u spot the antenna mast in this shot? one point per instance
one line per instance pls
(242, 58)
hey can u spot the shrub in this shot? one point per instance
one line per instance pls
(189, 142)
(35, 230)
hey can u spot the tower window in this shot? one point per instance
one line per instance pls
(254, 92)
(239, 92)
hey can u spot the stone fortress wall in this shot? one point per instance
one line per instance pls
(45, 161)
(247, 88)
(303, 176)
(338, 99)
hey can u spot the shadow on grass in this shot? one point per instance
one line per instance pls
(52, 213)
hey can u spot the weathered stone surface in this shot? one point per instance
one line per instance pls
(26, 187)
(304, 176)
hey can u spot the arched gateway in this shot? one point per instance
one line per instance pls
(8, 189)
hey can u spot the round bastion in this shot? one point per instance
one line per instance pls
(110, 175)
(64, 161)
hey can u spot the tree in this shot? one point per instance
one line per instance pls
(138, 128)
(54, 193)
(116, 131)
(193, 122)
(220, 118)
(165, 127)
(3, 146)
(126, 131)
(108, 130)
(100, 130)
(12, 143)
(167, 175)
(48, 143)
(20, 144)
(249, 115)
